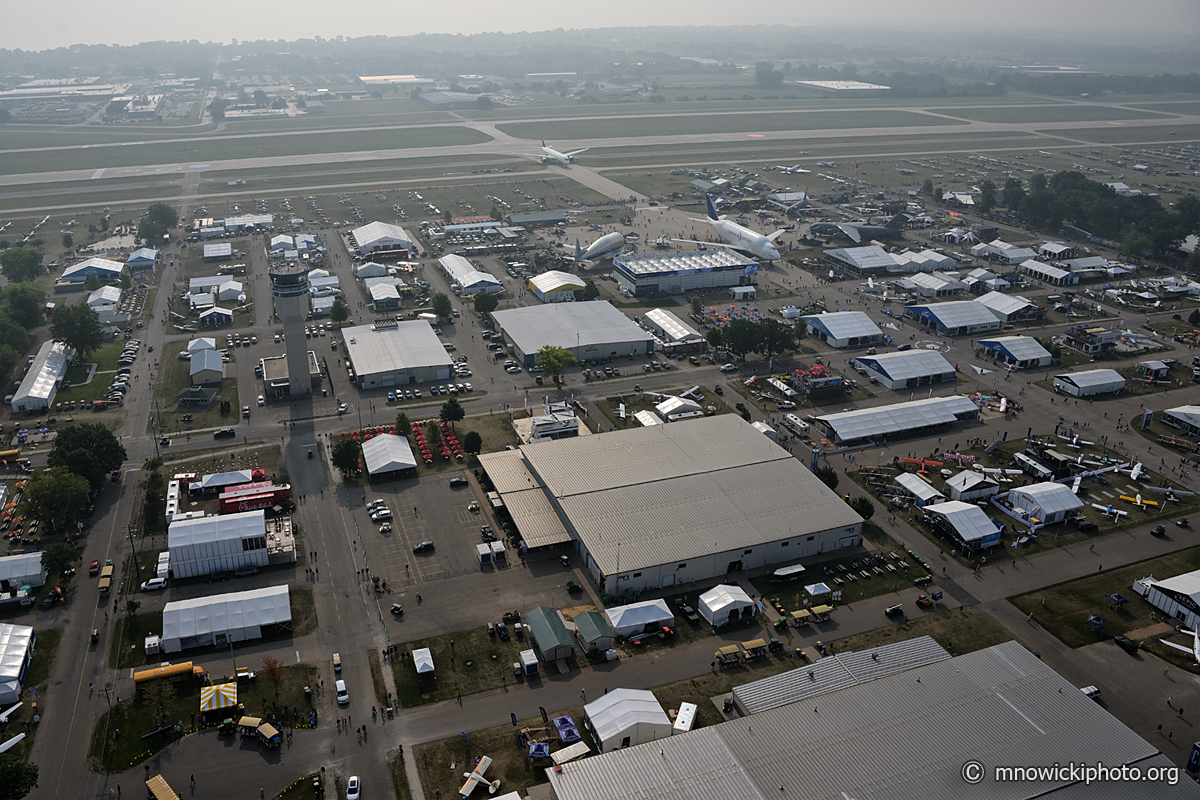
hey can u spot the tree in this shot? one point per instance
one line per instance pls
(79, 328)
(741, 337)
(1038, 182)
(225, 408)
(1194, 317)
(346, 454)
(339, 312)
(589, 292)
(17, 776)
(12, 333)
(83, 463)
(260, 98)
(91, 437)
(452, 410)
(68, 241)
(26, 304)
(554, 360)
(486, 303)
(483, 103)
(1014, 193)
(159, 219)
(768, 79)
(863, 507)
(696, 306)
(217, 108)
(274, 672)
(714, 337)
(440, 303)
(927, 187)
(161, 695)
(987, 197)
(433, 431)
(800, 329)
(828, 476)
(125, 281)
(447, 216)
(8, 360)
(51, 495)
(92, 283)
(775, 336)
(131, 606)
(21, 265)
(1134, 244)
(472, 442)
(58, 558)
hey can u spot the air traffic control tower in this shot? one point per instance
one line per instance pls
(289, 288)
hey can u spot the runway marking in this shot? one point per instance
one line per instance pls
(98, 173)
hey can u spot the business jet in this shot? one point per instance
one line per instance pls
(739, 238)
(551, 156)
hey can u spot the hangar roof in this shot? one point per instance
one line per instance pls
(567, 325)
(889, 420)
(864, 258)
(909, 364)
(1022, 348)
(408, 345)
(959, 313)
(844, 324)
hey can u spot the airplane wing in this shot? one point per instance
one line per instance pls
(576, 152)
(538, 156)
(850, 231)
(776, 235)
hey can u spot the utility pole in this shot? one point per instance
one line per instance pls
(133, 546)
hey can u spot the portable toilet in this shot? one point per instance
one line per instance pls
(498, 552)
(485, 554)
(529, 662)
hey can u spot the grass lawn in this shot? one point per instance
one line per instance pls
(635, 402)
(1046, 113)
(1063, 609)
(480, 662)
(117, 743)
(305, 788)
(37, 677)
(377, 678)
(173, 376)
(962, 630)
(267, 457)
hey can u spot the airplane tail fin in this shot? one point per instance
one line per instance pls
(897, 221)
(543, 141)
(712, 211)
(578, 251)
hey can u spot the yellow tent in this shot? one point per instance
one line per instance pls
(223, 695)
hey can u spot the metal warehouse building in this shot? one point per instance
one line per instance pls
(1022, 352)
(674, 332)
(213, 544)
(1000, 705)
(956, 318)
(1092, 382)
(693, 500)
(844, 329)
(590, 330)
(656, 274)
(909, 369)
(1011, 307)
(868, 424)
(464, 278)
(395, 354)
(869, 260)
(380, 237)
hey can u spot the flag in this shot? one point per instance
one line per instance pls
(544, 717)
(514, 718)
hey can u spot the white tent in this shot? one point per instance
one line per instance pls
(637, 617)
(223, 618)
(626, 717)
(203, 343)
(423, 660)
(723, 604)
(16, 649)
(388, 453)
(817, 589)
(21, 570)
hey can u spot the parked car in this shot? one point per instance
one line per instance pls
(343, 696)
(1127, 644)
(729, 368)
(154, 584)
(421, 547)
(459, 481)
(94, 568)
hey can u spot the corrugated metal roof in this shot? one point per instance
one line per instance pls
(869, 257)
(1051, 498)
(971, 523)
(969, 479)
(917, 488)
(1000, 705)
(1186, 584)
(844, 324)
(909, 365)
(507, 471)
(1020, 348)
(592, 625)
(837, 672)
(1005, 304)
(409, 345)
(535, 517)
(548, 629)
(672, 326)
(865, 423)
(960, 313)
(1093, 377)
(568, 325)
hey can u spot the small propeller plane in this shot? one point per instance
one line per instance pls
(1171, 492)
(4, 718)
(1138, 501)
(1193, 651)
(1109, 510)
(475, 777)
(1074, 441)
(924, 464)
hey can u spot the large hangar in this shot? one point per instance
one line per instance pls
(955, 318)
(657, 274)
(668, 504)
(844, 329)
(591, 330)
(918, 416)
(1019, 352)
(909, 369)
(395, 354)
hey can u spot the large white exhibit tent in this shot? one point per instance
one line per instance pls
(224, 618)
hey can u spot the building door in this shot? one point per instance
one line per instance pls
(668, 580)
(734, 566)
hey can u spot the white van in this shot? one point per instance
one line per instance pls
(795, 424)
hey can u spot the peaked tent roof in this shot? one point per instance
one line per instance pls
(634, 617)
(621, 709)
(388, 453)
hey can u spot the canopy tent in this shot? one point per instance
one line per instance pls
(16, 651)
(214, 698)
(638, 617)
(723, 604)
(23, 569)
(422, 660)
(388, 453)
(817, 589)
(223, 618)
(626, 717)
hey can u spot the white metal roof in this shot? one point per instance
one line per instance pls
(1044, 269)
(647, 417)
(409, 345)
(44, 375)
(672, 326)
(723, 596)
(1186, 414)
(968, 479)
(889, 420)
(864, 258)
(94, 266)
(959, 313)
(1005, 304)
(1187, 584)
(14, 644)
(1050, 497)
(932, 282)
(1093, 377)
(218, 250)
(374, 232)
(464, 273)
(968, 520)
(621, 709)
(556, 281)
(909, 364)
(1021, 348)
(685, 262)
(844, 324)
(676, 405)
(225, 527)
(105, 294)
(569, 325)
(205, 360)
(199, 616)
(203, 343)
(918, 488)
(386, 453)
(383, 290)
(634, 617)
(21, 568)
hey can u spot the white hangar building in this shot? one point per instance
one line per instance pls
(844, 329)
(380, 237)
(1092, 382)
(658, 274)
(396, 354)
(908, 370)
(1021, 352)
(217, 544)
(591, 330)
(692, 500)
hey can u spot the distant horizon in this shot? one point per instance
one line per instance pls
(36, 25)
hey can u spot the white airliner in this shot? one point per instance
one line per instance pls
(739, 238)
(607, 246)
(551, 156)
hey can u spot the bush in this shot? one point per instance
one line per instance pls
(828, 476)
(863, 507)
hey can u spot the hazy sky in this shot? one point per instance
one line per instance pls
(43, 24)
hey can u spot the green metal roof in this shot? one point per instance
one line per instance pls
(592, 626)
(548, 629)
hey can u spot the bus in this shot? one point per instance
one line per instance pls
(171, 673)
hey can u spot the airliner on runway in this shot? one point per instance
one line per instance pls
(551, 156)
(739, 238)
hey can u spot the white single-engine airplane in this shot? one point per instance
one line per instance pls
(475, 777)
(551, 156)
(739, 238)
(1193, 651)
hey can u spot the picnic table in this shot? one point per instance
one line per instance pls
(878, 570)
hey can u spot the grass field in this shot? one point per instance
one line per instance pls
(1063, 609)
(682, 125)
(1047, 113)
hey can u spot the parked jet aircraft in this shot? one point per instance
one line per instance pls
(551, 156)
(858, 231)
(607, 246)
(739, 238)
